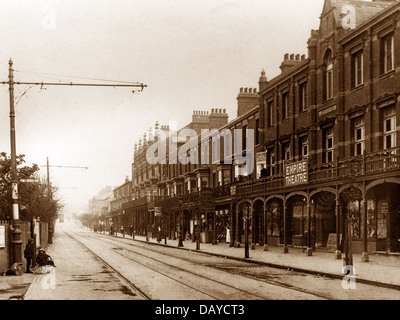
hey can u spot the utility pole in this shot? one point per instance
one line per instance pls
(16, 241)
(50, 194)
(16, 223)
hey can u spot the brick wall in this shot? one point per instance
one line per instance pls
(5, 253)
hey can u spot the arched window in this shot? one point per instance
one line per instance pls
(328, 75)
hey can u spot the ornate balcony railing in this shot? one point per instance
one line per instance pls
(354, 167)
(372, 163)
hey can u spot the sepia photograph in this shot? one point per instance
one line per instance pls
(199, 155)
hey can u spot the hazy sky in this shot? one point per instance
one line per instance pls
(193, 55)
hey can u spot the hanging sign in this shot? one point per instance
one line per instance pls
(157, 211)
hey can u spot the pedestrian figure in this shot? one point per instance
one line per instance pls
(43, 259)
(264, 172)
(122, 231)
(29, 254)
(111, 229)
(131, 230)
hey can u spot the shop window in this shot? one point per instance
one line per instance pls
(382, 215)
(371, 222)
(299, 218)
(274, 220)
(355, 218)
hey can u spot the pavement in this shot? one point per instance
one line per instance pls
(382, 269)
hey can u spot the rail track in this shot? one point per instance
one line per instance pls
(119, 274)
(170, 267)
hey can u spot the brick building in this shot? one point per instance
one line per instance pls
(325, 130)
(334, 116)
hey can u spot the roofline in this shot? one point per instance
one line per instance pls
(284, 76)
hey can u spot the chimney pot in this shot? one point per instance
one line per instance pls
(287, 56)
(297, 57)
(292, 56)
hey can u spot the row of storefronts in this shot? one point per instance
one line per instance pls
(326, 153)
(315, 215)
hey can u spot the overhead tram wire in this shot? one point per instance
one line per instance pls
(16, 241)
(52, 75)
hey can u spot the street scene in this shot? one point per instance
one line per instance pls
(119, 267)
(200, 151)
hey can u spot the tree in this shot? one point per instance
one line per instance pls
(34, 198)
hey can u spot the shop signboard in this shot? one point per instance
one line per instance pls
(157, 211)
(296, 173)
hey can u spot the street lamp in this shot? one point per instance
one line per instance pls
(246, 234)
(198, 223)
(180, 243)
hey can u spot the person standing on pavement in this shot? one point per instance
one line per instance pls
(29, 254)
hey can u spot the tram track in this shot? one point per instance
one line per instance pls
(197, 274)
(116, 272)
(175, 278)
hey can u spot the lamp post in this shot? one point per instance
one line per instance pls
(214, 232)
(246, 234)
(309, 249)
(180, 243)
(198, 231)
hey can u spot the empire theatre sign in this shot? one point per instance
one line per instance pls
(296, 173)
